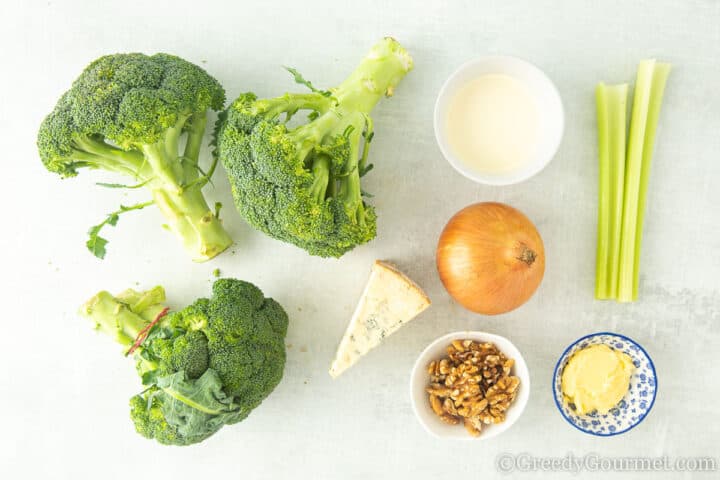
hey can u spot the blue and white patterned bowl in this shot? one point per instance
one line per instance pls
(636, 404)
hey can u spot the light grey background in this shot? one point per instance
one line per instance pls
(64, 389)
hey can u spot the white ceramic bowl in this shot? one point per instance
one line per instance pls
(419, 381)
(543, 91)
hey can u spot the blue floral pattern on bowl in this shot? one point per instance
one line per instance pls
(636, 404)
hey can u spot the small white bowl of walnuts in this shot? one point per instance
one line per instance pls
(468, 385)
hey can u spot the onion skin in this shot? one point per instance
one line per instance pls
(490, 258)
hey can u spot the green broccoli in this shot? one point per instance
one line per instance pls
(205, 366)
(131, 114)
(302, 185)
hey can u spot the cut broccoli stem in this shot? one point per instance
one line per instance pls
(261, 151)
(175, 185)
(114, 318)
(147, 304)
(190, 218)
(660, 75)
(177, 191)
(123, 317)
(376, 76)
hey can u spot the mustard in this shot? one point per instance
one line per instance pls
(596, 378)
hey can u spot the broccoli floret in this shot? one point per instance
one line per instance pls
(243, 339)
(190, 353)
(150, 421)
(132, 114)
(302, 185)
(205, 366)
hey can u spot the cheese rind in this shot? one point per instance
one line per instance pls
(389, 301)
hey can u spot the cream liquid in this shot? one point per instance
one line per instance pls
(492, 124)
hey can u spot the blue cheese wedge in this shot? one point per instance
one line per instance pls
(390, 300)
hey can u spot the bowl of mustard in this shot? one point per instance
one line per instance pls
(604, 384)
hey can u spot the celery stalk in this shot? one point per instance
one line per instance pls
(660, 75)
(625, 162)
(617, 112)
(602, 281)
(611, 111)
(633, 173)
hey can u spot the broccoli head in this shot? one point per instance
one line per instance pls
(143, 117)
(302, 184)
(205, 366)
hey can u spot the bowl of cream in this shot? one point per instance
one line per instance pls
(604, 384)
(499, 120)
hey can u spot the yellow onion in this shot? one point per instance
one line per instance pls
(490, 258)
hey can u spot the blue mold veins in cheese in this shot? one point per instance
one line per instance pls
(390, 300)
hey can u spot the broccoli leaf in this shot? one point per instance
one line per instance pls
(95, 243)
(204, 394)
(122, 185)
(150, 377)
(197, 408)
(364, 170)
(301, 80)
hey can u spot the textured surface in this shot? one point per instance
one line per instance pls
(65, 389)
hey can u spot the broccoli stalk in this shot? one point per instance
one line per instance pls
(131, 114)
(175, 184)
(376, 76)
(204, 366)
(302, 185)
(124, 316)
(178, 194)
